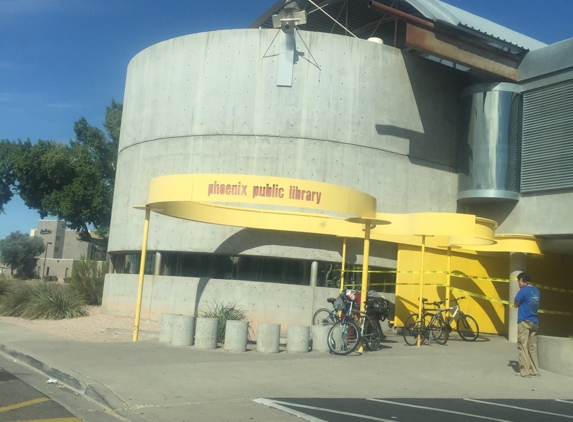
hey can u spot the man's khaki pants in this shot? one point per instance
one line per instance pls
(527, 346)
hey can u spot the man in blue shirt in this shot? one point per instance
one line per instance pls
(527, 302)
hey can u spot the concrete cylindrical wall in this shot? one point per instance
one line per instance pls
(236, 336)
(166, 327)
(268, 338)
(206, 333)
(320, 338)
(225, 113)
(298, 339)
(183, 330)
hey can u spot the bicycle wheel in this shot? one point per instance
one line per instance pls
(343, 338)
(324, 317)
(411, 330)
(468, 328)
(436, 329)
(372, 334)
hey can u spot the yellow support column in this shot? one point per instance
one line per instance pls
(141, 274)
(343, 265)
(421, 291)
(448, 276)
(365, 256)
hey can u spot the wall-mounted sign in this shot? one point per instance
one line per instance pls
(45, 231)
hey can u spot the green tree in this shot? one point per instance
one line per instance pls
(19, 251)
(6, 173)
(72, 182)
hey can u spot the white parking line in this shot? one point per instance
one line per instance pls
(564, 401)
(273, 403)
(440, 410)
(521, 408)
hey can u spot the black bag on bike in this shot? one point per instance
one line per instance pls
(377, 307)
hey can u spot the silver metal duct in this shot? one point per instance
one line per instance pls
(489, 153)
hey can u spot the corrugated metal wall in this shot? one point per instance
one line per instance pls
(547, 142)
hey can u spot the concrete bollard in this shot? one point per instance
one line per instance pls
(236, 333)
(206, 333)
(268, 338)
(320, 338)
(183, 330)
(298, 337)
(166, 327)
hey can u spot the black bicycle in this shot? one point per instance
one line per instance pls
(357, 327)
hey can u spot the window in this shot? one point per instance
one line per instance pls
(255, 268)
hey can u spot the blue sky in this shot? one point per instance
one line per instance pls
(64, 59)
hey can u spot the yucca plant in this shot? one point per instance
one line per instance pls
(15, 298)
(4, 285)
(41, 300)
(52, 301)
(224, 312)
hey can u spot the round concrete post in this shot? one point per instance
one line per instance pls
(236, 333)
(517, 264)
(206, 333)
(183, 330)
(298, 337)
(313, 273)
(320, 338)
(268, 338)
(166, 327)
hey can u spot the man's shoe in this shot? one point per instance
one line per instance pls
(536, 375)
(522, 376)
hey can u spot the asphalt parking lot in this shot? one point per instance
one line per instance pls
(428, 410)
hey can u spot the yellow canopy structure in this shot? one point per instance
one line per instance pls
(274, 203)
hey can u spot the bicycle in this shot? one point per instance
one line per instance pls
(466, 325)
(430, 327)
(326, 316)
(346, 335)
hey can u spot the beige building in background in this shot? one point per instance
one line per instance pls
(63, 249)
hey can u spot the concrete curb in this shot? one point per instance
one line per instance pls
(99, 394)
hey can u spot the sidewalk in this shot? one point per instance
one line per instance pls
(152, 381)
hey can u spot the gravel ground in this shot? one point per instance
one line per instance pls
(97, 327)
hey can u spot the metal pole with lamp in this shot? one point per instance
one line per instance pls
(45, 255)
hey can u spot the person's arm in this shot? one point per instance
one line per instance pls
(516, 303)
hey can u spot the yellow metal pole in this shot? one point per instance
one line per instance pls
(343, 265)
(421, 292)
(365, 256)
(141, 274)
(448, 277)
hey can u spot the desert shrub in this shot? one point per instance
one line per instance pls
(87, 280)
(13, 302)
(41, 301)
(54, 301)
(224, 312)
(4, 285)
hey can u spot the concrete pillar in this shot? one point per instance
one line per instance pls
(268, 337)
(236, 334)
(320, 338)
(157, 269)
(206, 333)
(298, 337)
(183, 330)
(313, 273)
(166, 327)
(517, 264)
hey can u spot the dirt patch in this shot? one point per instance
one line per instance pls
(97, 327)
